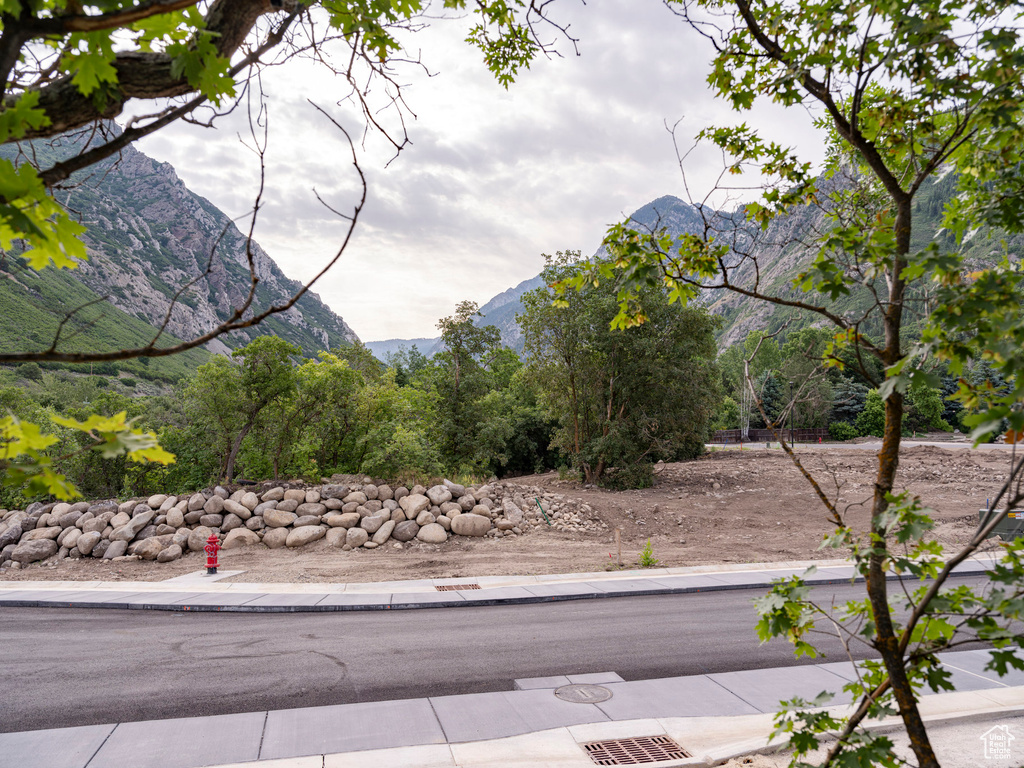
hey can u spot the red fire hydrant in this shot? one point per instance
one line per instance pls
(212, 547)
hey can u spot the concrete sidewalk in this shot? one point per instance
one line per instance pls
(199, 592)
(712, 717)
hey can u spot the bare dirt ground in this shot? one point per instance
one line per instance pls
(726, 507)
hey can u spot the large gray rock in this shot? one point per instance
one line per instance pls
(261, 508)
(306, 520)
(255, 523)
(87, 541)
(32, 551)
(413, 504)
(288, 505)
(471, 525)
(116, 549)
(221, 491)
(336, 537)
(482, 511)
(214, 505)
(307, 534)
(68, 537)
(212, 521)
(482, 492)
(131, 529)
(173, 552)
(334, 491)
(100, 549)
(149, 549)
(372, 523)
(513, 513)
(356, 537)
(274, 494)
(384, 493)
(168, 503)
(370, 491)
(312, 496)
(438, 495)
(196, 502)
(197, 539)
(96, 525)
(432, 533)
(238, 509)
(191, 518)
(456, 489)
(399, 492)
(373, 506)
(275, 518)
(405, 530)
(310, 508)
(249, 500)
(425, 517)
(230, 522)
(121, 518)
(67, 519)
(383, 533)
(175, 518)
(156, 500)
(357, 497)
(276, 537)
(467, 502)
(10, 535)
(295, 494)
(240, 537)
(42, 533)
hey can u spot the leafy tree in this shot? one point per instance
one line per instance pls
(461, 378)
(623, 398)
(30, 371)
(904, 90)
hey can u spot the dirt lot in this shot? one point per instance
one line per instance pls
(726, 507)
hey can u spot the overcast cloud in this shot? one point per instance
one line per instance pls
(493, 179)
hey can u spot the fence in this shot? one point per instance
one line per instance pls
(766, 435)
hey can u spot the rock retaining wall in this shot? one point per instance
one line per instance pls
(348, 516)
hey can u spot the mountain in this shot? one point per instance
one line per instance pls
(148, 236)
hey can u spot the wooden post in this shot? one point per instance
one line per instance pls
(618, 544)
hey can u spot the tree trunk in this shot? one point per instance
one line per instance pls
(229, 472)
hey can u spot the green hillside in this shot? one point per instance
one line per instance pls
(32, 304)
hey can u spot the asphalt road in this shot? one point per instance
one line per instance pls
(67, 667)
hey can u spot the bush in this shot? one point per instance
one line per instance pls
(30, 371)
(130, 383)
(840, 430)
(102, 381)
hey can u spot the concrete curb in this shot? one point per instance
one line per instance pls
(193, 599)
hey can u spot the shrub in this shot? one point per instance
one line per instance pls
(128, 382)
(840, 430)
(30, 371)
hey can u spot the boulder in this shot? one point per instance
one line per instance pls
(275, 518)
(214, 505)
(168, 503)
(481, 511)
(242, 511)
(417, 489)
(373, 506)
(346, 520)
(121, 518)
(357, 497)
(310, 508)
(249, 500)
(68, 537)
(170, 553)
(145, 533)
(334, 492)
(306, 520)
(87, 541)
(131, 529)
(426, 517)
(221, 491)
(85, 518)
(313, 496)
(196, 501)
(332, 504)
(467, 502)
(513, 513)
(482, 492)
(163, 530)
(10, 535)
(175, 518)
(438, 495)
(32, 551)
(383, 533)
(96, 525)
(288, 505)
(101, 547)
(197, 539)
(432, 533)
(399, 492)
(156, 500)
(240, 537)
(237, 495)
(60, 509)
(116, 549)
(296, 495)
(356, 537)
(450, 506)
(471, 525)
(276, 537)
(372, 523)
(42, 533)
(307, 534)
(336, 537)
(191, 518)
(405, 531)
(456, 489)
(230, 522)
(384, 493)
(413, 504)
(255, 523)
(67, 519)
(445, 522)
(99, 508)
(261, 508)
(149, 549)
(211, 521)
(274, 494)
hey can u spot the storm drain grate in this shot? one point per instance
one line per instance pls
(644, 749)
(454, 587)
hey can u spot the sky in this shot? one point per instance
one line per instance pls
(493, 178)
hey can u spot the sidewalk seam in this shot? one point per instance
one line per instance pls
(263, 734)
(93, 757)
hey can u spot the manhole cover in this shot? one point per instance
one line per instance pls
(635, 751)
(583, 694)
(455, 587)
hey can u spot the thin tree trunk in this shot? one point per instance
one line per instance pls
(229, 472)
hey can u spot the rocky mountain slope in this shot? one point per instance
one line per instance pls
(148, 235)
